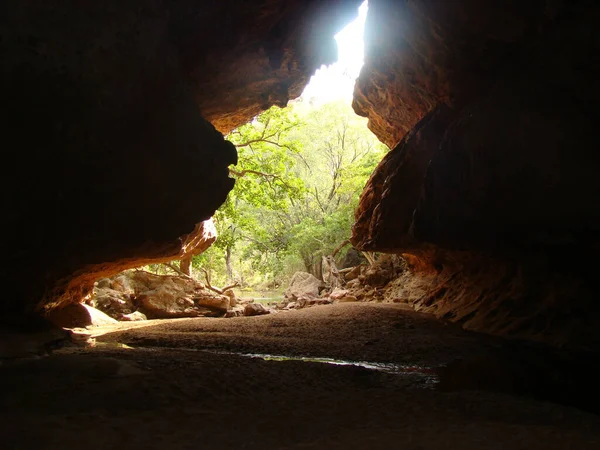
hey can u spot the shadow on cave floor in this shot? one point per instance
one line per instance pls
(341, 376)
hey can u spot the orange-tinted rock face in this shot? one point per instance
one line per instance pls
(107, 159)
(508, 160)
(423, 53)
(500, 102)
(252, 55)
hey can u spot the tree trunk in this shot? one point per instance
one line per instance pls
(228, 264)
(308, 262)
(185, 265)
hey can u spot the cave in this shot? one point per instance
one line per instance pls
(113, 121)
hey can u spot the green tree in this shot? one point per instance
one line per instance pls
(301, 170)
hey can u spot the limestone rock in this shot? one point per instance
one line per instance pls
(255, 309)
(133, 317)
(113, 302)
(303, 284)
(154, 296)
(79, 316)
(317, 301)
(338, 293)
(163, 303)
(353, 283)
(104, 283)
(121, 283)
(236, 311)
(217, 302)
(354, 273)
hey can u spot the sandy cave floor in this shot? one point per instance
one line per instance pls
(188, 383)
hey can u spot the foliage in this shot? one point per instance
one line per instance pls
(300, 173)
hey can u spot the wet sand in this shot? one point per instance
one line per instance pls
(190, 383)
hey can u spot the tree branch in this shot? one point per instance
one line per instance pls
(244, 172)
(339, 247)
(214, 288)
(176, 270)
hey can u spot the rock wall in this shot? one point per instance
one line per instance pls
(254, 54)
(107, 160)
(499, 159)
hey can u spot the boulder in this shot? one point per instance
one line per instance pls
(113, 302)
(338, 293)
(236, 311)
(163, 303)
(216, 302)
(137, 295)
(79, 316)
(318, 301)
(255, 309)
(303, 284)
(104, 283)
(121, 283)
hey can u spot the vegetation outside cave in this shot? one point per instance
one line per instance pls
(301, 171)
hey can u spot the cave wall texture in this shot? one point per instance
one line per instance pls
(108, 157)
(490, 107)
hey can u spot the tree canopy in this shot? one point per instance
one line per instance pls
(300, 173)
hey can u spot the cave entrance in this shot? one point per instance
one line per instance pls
(300, 173)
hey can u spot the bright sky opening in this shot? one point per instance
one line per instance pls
(336, 81)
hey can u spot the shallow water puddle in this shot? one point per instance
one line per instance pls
(421, 374)
(426, 376)
(381, 367)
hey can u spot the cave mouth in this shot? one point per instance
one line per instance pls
(299, 174)
(469, 316)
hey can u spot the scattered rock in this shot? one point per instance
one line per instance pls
(122, 283)
(137, 295)
(134, 317)
(218, 302)
(353, 283)
(303, 284)
(338, 293)
(255, 309)
(354, 273)
(163, 303)
(386, 269)
(104, 283)
(236, 311)
(112, 302)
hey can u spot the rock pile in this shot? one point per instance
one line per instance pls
(139, 295)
